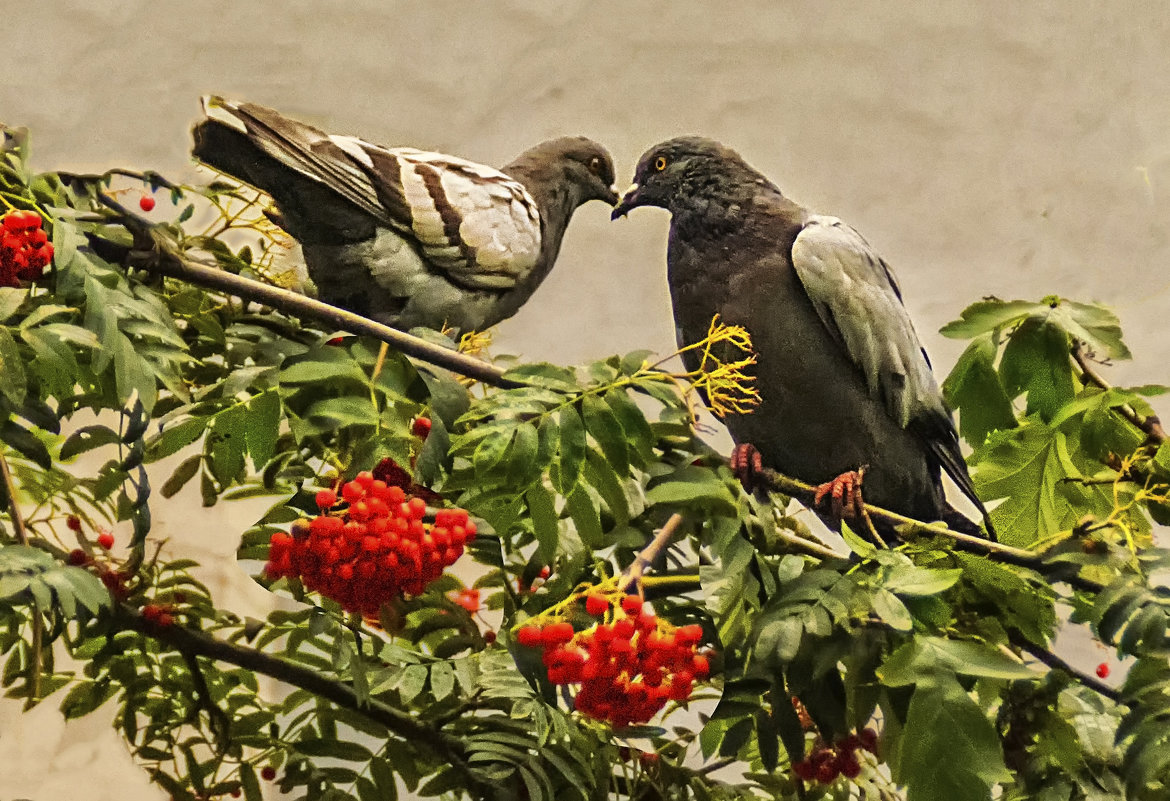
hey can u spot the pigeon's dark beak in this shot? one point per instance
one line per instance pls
(611, 196)
(629, 201)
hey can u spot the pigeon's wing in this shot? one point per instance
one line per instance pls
(858, 299)
(472, 223)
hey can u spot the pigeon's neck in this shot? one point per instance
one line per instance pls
(556, 198)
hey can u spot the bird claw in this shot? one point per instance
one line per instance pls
(844, 495)
(746, 465)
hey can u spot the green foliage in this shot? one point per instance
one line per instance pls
(573, 470)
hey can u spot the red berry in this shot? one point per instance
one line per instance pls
(848, 765)
(146, 203)
(545, 572)
(73, 523)
(648, 758)
(489, 637)
(530, 636)
(1102, 671)
(164, 619)
(326, 499)
(268, 773)
(869, 739)
(78, 557)
(557, 634)
(352, 491)
(596, 605)
(151, 612)
(106, 540)
(632, 604)
(421, 427)
(827, 771)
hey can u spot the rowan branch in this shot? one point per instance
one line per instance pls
(167, 261)
(192, 642)
(1056, 663)
(13, 506)
(1021, 557)
(1151, 426)
(647, 555)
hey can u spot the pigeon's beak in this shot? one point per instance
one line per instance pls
(612, 196)
(629, 200)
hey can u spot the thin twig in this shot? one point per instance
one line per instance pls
(1151, 426)
(13, 508)
(647, 555)
(966, 542)
(175, 265)
(1056, 663)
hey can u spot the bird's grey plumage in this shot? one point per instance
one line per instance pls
(409, 237)
(843, 378)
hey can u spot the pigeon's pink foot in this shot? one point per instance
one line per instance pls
(844, 495)
(746, 465)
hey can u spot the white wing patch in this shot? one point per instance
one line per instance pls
(853, 292)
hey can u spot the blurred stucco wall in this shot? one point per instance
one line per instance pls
(989, 148)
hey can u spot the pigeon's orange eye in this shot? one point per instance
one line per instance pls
(660, 163)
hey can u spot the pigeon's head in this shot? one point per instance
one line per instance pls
(571, 162)
(678, 169)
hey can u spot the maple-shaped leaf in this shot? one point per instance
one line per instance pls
(1030, 468)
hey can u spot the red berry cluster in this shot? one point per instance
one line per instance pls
(826, 763)
(629, 668)
(25, 249)
(374, 550)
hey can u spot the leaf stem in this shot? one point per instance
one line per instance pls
(1151, 425)
(13, 507)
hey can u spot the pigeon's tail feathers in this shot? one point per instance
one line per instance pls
(953, 465)
(291, 162)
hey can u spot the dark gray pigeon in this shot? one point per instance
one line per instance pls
(844, 381)
(403, 236)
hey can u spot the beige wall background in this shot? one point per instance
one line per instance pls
(985, 148)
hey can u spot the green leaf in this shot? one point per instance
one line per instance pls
(10, 300)
(349, 410)
(1036, 361)
(181, 475)
(920, 581)
(442, 680)
(973, 388)
(338, 749)
(174, 438)
(13, 384)
(923, 656)
(585, 517)
(944, 727)
(570, 451)
(986, 316)
(1028, 467)
(25, 443)
(86, 439)
(892, 611)
(692, 486)
(638, 433)
(545, 523)
(227, 438)
(603, 425)
(263, 427)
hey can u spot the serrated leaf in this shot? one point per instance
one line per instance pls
(570, 450)
(892, 611)
(986, 316)
(442, 680)
(263, 427)
(973, 388)
(545, 523)
(10, 300)
(1035, 361)
(585, 517)
(944, 727)
(181, 475)
(86, 439)
(603, 425)
(13, 384)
